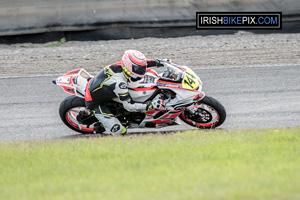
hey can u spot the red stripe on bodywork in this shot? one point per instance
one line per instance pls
(151, 112)
(144, 88)
(161, 121)
(175, 115)
(167, 82)
(175, 85)
(87, 95)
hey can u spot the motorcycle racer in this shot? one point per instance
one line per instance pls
(111, 83)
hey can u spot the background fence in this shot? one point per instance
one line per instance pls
(43, 16)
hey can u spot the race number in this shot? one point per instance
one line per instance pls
(189, 81)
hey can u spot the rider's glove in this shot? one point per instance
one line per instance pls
(158, 63)
(154, 105)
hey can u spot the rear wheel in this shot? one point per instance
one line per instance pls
(69, 110)
(210, 114)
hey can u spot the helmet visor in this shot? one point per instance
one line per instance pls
(139, 69)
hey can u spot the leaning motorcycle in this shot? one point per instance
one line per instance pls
(178, 86)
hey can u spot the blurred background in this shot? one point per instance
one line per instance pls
(49, 20)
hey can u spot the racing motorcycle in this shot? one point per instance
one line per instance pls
(178, 86)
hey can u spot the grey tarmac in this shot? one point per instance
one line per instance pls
(254, 97)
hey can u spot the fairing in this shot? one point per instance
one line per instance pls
(74, 82)
(183, 83)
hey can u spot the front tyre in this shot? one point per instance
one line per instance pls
(68, 111)
(210, 114)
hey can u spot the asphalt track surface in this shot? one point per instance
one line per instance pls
(254, 97)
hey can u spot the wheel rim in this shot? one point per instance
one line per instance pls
(71, 117)
(207, 116)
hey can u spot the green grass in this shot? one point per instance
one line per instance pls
(58, 43)
(251, 164)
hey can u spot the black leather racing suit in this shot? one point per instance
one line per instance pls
(109, 84)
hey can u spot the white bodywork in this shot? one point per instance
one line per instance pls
(74, 83)
(184, 85)
(183, 96)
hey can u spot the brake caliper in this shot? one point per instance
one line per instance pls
(192, 110)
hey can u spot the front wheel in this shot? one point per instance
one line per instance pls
(210, 114)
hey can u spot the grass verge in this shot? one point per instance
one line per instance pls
(249, 164)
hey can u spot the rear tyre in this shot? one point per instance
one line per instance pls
(68, 111)
(210, 114)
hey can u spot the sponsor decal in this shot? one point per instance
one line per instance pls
(148, 79)
(63, 80)
(168, 85)
(115, 128)
(122, 85)
(238, 20)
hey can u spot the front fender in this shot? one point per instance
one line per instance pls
(199, 96)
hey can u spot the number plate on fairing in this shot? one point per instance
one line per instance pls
(189, 81)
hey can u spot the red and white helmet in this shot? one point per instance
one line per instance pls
(134, 63)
